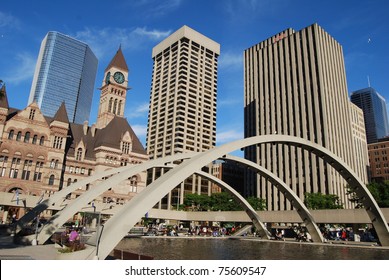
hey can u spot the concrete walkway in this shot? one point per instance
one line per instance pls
(11, 251)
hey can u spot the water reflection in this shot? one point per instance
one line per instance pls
(230, 249)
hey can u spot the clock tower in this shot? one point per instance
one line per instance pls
(113, 90)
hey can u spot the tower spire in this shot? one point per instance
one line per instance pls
(114, 90)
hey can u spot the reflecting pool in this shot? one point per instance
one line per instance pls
(172, 248)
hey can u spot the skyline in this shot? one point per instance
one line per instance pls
(138, 26)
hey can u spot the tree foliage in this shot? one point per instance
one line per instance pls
(222, 201)
(317, 201)
(379, 191)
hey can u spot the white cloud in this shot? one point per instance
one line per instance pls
(7, 20)
(228, 136)
(139, 130)
(231, 60)
(156, 7)
(140, 111)
(23, 69)
(127, 38)
(153, 35)
(229, 102)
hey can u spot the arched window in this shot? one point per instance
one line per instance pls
(119, 107)
(27, 137)
(115, 103)
(51, 180)
(69, 182)
(133, 184)
(11, 134)
(18, 136)
(133, 181)
(110, 105)
(34, 139)
(42, 141)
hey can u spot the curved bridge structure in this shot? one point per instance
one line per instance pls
(117, 226)
(67, 213)
(76, 205)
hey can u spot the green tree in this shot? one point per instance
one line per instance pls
(222, 201)
(259, 204)
(379, 191)
(353, 197)
(316, 201)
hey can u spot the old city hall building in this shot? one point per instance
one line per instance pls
(41, 155)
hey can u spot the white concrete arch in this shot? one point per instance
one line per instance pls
(76, 205)
(263, 232)
(302, 210)
(117, 226)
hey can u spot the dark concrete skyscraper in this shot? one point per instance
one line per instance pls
(65, 72)
(295, 84)
(373, 106)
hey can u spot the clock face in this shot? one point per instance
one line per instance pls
(107, 78)
(118, 77)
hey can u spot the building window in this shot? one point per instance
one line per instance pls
(79, 154)
(11, 134)
(38, 172)
(57, 142)
(126, 147)
(34, 139)
(32, 114)
(51, 180)
(27, 137)
(110, 105)
(3, 165)
(42, 141)
(13, 173)
(19, 136)
(114, 106)
(133, 184)
(26, 170)
(119, 107)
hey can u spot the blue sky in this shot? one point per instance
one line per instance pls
(361, 27)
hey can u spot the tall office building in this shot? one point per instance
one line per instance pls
(65, 72)
(182, 111)
(295, 84)
(374, 109)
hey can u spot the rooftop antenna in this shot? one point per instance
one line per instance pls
(368, 80)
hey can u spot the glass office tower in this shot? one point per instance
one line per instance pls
(373, 106)
(65, 72)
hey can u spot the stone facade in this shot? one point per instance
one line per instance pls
(41, 155)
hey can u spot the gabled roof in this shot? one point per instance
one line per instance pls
(109, 136)
(118, 61)
(3, 97)
(61, 115)
(112, 134)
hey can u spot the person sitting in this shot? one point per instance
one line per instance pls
(74, 239)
